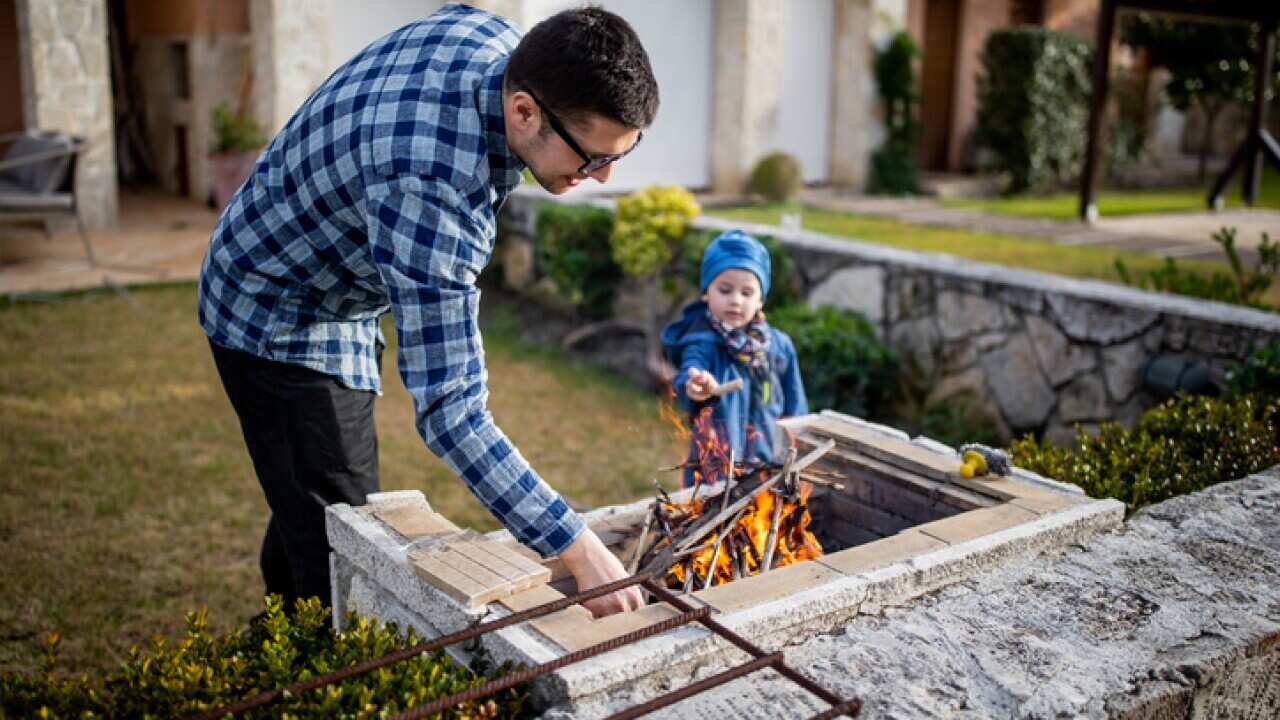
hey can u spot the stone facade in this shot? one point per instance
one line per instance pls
(1029, 351)
(66, 82)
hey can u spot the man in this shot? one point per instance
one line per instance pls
(381, 193)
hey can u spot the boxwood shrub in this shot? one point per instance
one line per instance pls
(1183, 445)
(574, 251)
(204, 671)
(1033, 104)
(844, 365)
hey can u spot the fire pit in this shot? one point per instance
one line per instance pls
(873, 519)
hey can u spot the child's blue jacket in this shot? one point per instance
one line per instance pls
(692, 342)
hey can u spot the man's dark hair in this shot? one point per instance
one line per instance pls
(586, 61)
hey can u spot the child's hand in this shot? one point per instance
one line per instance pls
(701, 385)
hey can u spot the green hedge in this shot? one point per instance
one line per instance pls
(1033, 104)
(204, 671)
(574, 251)
(893, 165)
(1184, 445)
(844, 365)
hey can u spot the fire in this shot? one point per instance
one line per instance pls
(745, 548)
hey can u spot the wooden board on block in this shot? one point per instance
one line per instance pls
(891, 450)
(415, 522)
(475, 571)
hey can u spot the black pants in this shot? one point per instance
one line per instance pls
(313, 443)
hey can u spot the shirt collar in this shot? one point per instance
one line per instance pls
(505, 165)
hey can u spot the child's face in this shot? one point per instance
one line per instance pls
(734, 297)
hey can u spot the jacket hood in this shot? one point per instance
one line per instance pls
(692, 327)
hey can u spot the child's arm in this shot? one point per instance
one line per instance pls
(693, 384)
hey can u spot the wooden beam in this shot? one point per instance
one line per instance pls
(1258, 118)
(1097, 111)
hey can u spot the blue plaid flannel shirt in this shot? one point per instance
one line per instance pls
(382, 192)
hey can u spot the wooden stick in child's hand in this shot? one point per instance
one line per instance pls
(728, 387)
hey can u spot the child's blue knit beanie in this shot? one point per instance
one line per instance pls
(735, 249)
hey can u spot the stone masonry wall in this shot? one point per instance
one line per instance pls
(66, 86)
(1032, 352)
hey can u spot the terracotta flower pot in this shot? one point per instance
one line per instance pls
(229, 170)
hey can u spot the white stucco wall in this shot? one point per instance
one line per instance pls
(677, 36)
(356, 24)
(804, 113)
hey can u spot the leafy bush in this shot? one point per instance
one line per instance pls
(893, 166)
(203, 672)
(235, 132)
(1033, 104)
(777, 177)
(784, 281)
(649, 228)
(1241, 286)
(1184, 445)
(844, 365)
(1257, 375)
(574, 251)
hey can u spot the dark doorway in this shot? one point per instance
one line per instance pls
(10, 69)
(937, 84)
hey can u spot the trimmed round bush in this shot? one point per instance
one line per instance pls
(777, 177)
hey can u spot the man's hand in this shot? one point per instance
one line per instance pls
(701, 385)
(592, 565)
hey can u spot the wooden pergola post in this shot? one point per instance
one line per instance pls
(1257, 145)
(1097, 112)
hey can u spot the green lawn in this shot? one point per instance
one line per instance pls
(1113, 203)
(1031, 254)
(129, 497)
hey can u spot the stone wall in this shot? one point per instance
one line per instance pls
(291, 47)
(66, 86)
(1031, 352)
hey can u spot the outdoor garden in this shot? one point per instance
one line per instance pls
(129, 537)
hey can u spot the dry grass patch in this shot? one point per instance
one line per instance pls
(129, 497)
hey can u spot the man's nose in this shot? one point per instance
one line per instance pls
(602, 175)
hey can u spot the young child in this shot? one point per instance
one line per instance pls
(725, 337)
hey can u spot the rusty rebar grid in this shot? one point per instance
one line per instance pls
(269, 696)
(644, 708)
(839, 705)
(520, 676)
(688, 613)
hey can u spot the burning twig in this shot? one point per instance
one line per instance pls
(773, 534)
(715, 555)
(745, 500)
(640, 546)
(728, 483)
(726, 388)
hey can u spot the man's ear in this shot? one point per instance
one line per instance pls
(524, 111)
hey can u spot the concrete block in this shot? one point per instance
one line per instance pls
(757, 589)
(858, 560)
(976, 523)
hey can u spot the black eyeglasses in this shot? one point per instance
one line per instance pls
(592, 162)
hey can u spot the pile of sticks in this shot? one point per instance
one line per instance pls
(674, 532)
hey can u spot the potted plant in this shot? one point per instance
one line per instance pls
(237, 140)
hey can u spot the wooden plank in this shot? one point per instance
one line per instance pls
(487, 560)
(446, 579)
(415, 522)
(526, 564)
(893, 451)
(533, 597)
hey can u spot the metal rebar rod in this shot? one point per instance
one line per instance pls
(521, 676)
(745, 645)
(676, 696)
(269, 696)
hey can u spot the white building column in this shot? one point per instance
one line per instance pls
(857, 130)
(66, 86)
(291, 48)
(750, 37)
